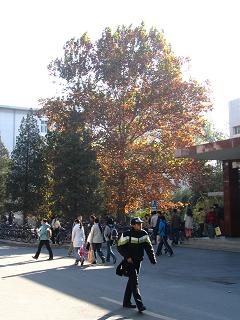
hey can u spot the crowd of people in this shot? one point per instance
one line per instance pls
(178, 228)
(96, 236)
(131, 243)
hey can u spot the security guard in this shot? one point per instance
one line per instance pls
(131, 246)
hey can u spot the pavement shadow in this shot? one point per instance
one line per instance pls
(26, 262)
(88, 283)
(121, 314)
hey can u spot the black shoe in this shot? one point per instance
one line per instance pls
(34, 257)
(129, 305)
(51, 258)
(94, 262)
(141, 309)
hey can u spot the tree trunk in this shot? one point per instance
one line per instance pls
(121, 204)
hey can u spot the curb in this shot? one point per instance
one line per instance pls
(227, 247)
(25, 244)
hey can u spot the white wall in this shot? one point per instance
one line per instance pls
(10, 120)
(7, 128)
(234, 116)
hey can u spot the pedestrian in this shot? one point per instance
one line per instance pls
(131, 246)
(175, 226)
(70, 249)
(153, 224)
(89, 227)
(95, 239)
(78, 240)
(201, 221)
(188, 218)
(211, 222)
(56, 226)
(163, 232)
(219, 215)
(146, 223)
(108, 232)
(44, 233)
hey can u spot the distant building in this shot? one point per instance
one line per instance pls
(10, 120)
(234, 118)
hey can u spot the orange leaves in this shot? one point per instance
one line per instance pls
(130, 89)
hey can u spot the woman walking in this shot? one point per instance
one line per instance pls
(188, 222)
(95, 239)
(44, 233)
(78, 240)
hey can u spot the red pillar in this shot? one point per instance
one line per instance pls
(231, 199)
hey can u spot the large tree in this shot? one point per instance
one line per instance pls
(4, 168)
(74, 187)
(138, 105)
(27, 178)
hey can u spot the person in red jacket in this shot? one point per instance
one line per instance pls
(211, 222)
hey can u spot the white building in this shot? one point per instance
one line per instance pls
(234, 118)
(10, 120)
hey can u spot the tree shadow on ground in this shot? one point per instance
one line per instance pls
(70, 280)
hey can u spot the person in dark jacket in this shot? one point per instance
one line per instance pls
(211, 221)
(163, 238)
(131, 246)
(175, 226)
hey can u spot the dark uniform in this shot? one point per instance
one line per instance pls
(132, 245)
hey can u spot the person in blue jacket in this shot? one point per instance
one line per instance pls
(163, 232)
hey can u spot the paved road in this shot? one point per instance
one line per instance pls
(194, 284)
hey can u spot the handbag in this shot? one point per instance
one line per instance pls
(90, 256)
(218, 231)
(82, 252)
(123, 269)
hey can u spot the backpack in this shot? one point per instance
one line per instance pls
(113, 233)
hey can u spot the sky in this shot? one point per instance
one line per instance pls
(33, 33)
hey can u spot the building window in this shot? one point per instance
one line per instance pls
(43, 128)
(236, 130)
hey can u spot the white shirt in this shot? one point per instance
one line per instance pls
(154, 220)
(78, 236)
(95, 235)
(56, 224)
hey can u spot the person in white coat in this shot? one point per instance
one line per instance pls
(95, 238)
(78, 240)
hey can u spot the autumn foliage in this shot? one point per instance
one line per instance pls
(133, 96)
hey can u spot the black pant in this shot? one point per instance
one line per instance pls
(132, 285)
(47, 244)
(55, 233)
(164, 242)
(97, 248)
